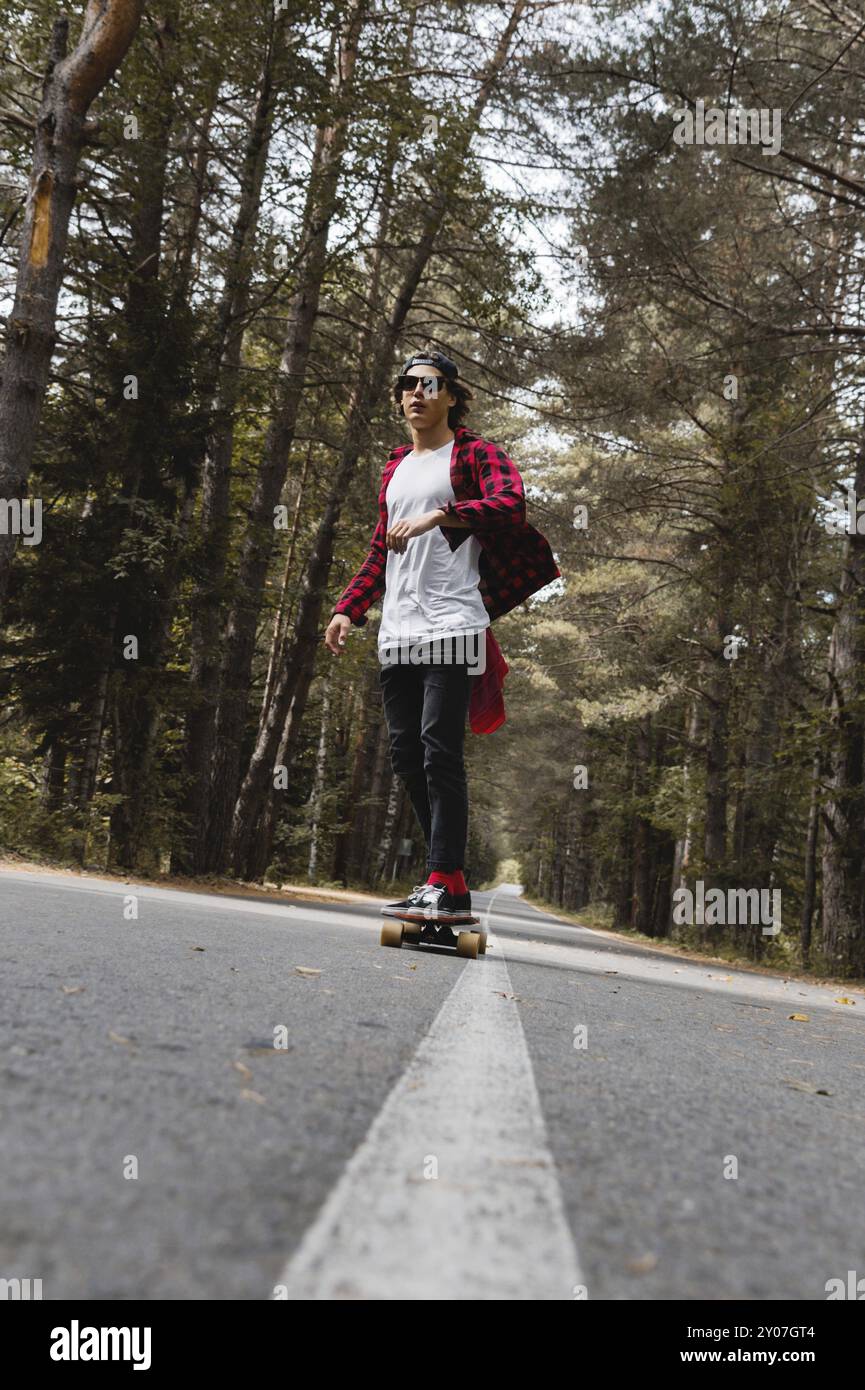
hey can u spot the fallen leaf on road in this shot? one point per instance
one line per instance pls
(196, 948)
(844, 1000)
(73, 989)
(807, 1086)
(244, 1071)
(253, 1095)
(118, 1038)
(642, 1265)
(504, 994)
(305, 970)
(799, 1018)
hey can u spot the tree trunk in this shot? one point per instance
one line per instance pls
(366, 832)
(717, 748)
(145, 596)
(93, 742)
(190, 855)
(622, 875)
(641, 898)
(71, 84)
(257, 546)
(809, 894)
(315, 800)
(393, 802)
(284, 608)
(54, 775)
(684, 846)
(844, 814)
(357, 808)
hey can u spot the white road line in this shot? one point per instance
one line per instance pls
(488, 912)
(491, 1225)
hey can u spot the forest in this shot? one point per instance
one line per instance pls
(636, 228)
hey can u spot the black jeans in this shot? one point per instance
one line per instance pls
(426, 707)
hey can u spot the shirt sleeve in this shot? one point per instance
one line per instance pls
(368, 584)
(503, 503)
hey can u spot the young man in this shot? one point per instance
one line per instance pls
(451, 552)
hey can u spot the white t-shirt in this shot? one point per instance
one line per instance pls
(431, 591)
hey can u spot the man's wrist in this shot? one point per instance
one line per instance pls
(449, 516)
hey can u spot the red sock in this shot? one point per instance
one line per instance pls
(454, 881)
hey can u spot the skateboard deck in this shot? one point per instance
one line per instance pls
(419, 920)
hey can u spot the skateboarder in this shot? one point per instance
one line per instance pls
(451, 552)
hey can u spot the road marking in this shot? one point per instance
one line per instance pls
(488, 911)
(491, 1225)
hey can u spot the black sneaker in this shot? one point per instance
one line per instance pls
(432, 902)
(397, 909)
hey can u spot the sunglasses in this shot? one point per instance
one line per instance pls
(431, 384)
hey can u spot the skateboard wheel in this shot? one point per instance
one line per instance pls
(391, 934)
(411, 932)
(468, 944)
(482, 946)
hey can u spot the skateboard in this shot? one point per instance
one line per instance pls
(458, 935)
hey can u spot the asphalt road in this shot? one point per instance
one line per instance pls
(425, 1127)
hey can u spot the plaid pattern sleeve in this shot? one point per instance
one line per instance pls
(502, 503)
(516, 560)
(368, 584)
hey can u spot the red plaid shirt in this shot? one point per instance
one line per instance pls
(515, 560)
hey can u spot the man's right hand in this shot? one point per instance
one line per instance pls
(334, 638)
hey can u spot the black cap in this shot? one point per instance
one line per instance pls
(433, 359)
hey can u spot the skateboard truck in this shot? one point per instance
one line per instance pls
(467, 942)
